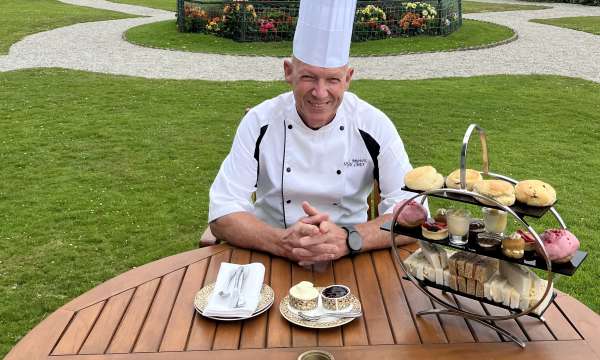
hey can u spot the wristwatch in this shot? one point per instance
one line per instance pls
(354, 240)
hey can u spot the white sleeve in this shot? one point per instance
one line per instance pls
(393, 165)
(233, 187)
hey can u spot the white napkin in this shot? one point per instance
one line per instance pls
(222, 306)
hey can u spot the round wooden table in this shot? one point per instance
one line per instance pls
(148, 313)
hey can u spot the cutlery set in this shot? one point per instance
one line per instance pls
(234, 287)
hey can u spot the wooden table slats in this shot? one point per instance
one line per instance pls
(254, 333)
(401, 319)
(78, 329)
(177, 330)
(354, 333)
(374, 311)
(99, 338)
(153, 318)
(278, 330)
(202, 332)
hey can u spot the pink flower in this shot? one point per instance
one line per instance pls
(385, 29)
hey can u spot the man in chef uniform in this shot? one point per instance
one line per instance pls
(311, 155)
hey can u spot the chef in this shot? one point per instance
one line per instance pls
(311, 155)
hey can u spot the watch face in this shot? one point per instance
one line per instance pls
(354, 241)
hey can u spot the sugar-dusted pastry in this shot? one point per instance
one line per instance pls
(535, 193)
(413, 214)
(560, 245)
(499, 190)
(471, 177)
(513, 246)
(424, 178)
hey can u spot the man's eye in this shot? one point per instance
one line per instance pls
(334, 80)
(306, 77)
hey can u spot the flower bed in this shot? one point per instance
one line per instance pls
(276, 20)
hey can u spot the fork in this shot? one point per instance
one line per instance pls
(339, 315)
(225, 292)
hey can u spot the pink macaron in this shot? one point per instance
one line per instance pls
(560, 244)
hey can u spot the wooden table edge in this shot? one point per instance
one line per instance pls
(142, 274)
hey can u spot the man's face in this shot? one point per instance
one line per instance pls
(318, 91)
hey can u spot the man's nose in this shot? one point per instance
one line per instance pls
(320, 89)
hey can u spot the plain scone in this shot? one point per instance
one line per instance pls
(424, 178)
(535, 193)
(471, 177)
(499, 190)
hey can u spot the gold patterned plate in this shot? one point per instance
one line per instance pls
(267, 297)
(291, 314)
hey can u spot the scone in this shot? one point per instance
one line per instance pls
(424, 178)
(471, 177)
(535, 193)
(499, 190)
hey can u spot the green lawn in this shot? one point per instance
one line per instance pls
(479, 7)
(590, 24)
(21, 18)
(103, 173)
(170, 5)
(165, 35)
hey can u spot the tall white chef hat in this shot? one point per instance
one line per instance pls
(324, 31)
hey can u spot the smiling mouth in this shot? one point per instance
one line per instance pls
(319, 105)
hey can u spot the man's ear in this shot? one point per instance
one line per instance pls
(349, 74)
(288, 71)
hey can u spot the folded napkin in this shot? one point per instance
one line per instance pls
(223, 306)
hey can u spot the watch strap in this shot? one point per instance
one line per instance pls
(352, 232)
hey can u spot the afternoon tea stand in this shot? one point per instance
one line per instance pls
(518, 211)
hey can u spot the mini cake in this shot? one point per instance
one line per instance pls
(471, 177)
(513, 246)
(560, 245)
(412, 215)
(424, 178)
(304, 296)
(434, 230)
(535, 193)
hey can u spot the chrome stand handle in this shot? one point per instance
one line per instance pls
(463, 153)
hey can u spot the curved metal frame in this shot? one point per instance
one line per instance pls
(451, 309)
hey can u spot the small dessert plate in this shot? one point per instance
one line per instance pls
(291, 314)
(267, 297)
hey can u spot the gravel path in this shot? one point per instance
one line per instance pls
(99, 47)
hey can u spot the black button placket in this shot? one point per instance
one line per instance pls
(284, 170)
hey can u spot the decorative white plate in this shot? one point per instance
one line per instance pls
(267, 297)
(291, 314)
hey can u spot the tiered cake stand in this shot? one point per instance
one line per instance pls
(519, 211)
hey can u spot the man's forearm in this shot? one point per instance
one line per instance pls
(244, 230)
(375, 238)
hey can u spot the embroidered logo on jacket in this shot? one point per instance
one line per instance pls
(355, 163)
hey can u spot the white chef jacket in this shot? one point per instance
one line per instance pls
(285, 162)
